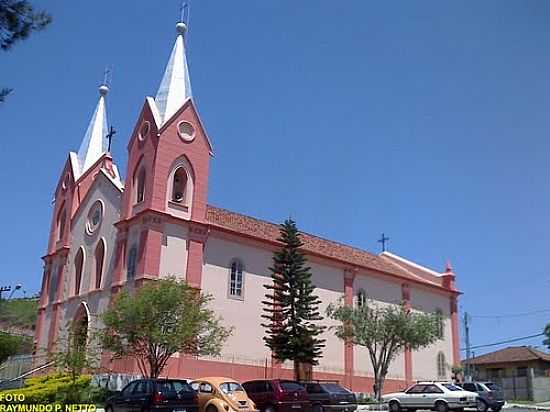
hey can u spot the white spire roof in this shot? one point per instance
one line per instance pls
(175, 87)
(94, 144)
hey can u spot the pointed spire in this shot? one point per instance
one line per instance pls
(175, 87)
(94, 144)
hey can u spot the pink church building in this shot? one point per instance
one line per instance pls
(109, 233)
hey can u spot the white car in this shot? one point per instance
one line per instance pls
(437, 396)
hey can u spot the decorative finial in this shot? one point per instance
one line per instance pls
(181, 28)
(448, 266)
(104, 88)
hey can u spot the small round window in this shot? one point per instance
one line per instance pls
(95, 216)
(144, 130)
(186, 131)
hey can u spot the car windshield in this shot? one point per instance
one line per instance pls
(491, 386)
(228, 387)
(334, 387)
(452, 387)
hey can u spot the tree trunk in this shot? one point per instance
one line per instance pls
(379, 386)
(303, 371)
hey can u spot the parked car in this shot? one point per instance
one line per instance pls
(489, 395)
(330, 396)
(437, 396)
(218, 394)
(154, 395)
(278, 395)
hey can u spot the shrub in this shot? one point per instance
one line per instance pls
(52, 388)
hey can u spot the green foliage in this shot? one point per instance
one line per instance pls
(18, 20)
(56, 388)
(20, 313)
(385, 331)
(291, 307)
(4, 92)
(547, 334)
(161, 318)
(13, 345)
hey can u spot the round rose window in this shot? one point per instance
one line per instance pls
(144, 130)
(186, 131)
(95, 216)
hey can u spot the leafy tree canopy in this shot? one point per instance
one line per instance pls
(18, 19)
(159, 319)
(547, 333)
(385, 331)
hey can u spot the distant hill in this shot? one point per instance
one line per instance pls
(18, 316)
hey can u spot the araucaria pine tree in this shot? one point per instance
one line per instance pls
(291, 307)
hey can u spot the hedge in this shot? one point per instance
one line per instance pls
(51, 388)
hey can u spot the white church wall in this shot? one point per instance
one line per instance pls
(425, 361)
(329, 283)
(245, 345)
(382, 292)
(173, 254)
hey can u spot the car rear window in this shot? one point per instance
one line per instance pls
(492, 386)
(228, 387)
(173, 386)
(452, 387)
(334, 387)
(291, 386)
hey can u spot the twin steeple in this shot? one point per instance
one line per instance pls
(175, 87)
(94, 143)
(173, 92)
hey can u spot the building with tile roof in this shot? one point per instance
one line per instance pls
(108, 233)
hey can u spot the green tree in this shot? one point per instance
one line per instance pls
(10, 345)
(291, 307)
(159, 319)
(385, 331)
(18, 19)
(547, 333)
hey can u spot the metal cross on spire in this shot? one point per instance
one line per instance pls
(106, 76)
(110, 136)
(185, 12)
(383, 240)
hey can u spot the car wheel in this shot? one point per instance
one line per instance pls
(394, 406)
(482, 405)
(317, 408)
(211, 408)
(441, 407)
(269, 409)
(109, 409)
(497, 408)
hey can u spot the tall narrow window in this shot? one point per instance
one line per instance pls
(179, 186)
(61, 223)
(441, 366)
(440, 323)
(140, 186)
(131, 264)
(78, 267)
(236, 279)
(361, 298)
(99, 258)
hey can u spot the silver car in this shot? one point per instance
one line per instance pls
(437, 396)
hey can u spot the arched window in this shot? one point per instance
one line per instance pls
(441, 366)
(62, 217)
(179, 186)
(361, 298)
(140, 185)
(99, 259)
(440, 323)
(131, 264)
(236, 279)
(78, 267)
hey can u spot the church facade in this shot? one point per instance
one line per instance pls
(108, 233)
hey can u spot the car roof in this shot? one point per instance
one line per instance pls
(216, 380)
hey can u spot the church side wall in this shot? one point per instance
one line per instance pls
(425, 360)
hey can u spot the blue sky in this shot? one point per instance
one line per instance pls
(424, 120)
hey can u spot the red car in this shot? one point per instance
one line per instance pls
(278, 395)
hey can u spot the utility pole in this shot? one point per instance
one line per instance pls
(467, 372)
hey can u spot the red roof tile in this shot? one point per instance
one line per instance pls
(511, 354)
(266, 231)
